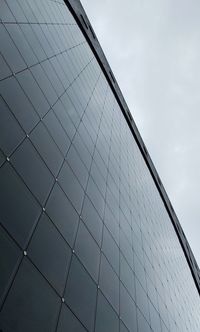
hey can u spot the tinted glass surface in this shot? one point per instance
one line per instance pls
(76, 196)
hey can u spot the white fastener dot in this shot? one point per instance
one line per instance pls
(25, 253)
(8, 159)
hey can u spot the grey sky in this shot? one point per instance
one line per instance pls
(153, 47)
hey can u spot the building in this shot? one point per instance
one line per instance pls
(88, 238)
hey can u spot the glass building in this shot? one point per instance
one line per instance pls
(89, 241)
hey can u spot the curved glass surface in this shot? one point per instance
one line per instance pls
(86, 242)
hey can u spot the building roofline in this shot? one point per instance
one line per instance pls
(82, 20)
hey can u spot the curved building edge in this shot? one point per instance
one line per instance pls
(82, 20)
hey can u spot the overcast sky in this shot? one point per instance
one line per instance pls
(153, 48)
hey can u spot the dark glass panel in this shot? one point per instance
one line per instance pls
(80, 286)
(127, 276)
(70, 109)
(21, 43)
(98, 179)
(95, 196)
(154, 319)
(17, 11)
(27, 11)
(9, 257)
(18, 208)
(53, 78)
(142, 300)
(5, 70)
(33, 41)
(42, 39)
(92, 220)
(5, 13)
(127, 309)
(62, 214)
(19, 103)
(34, 172)
(33, 91)
(64, 119)
(44, 84)
(57, 132)
(111, 250)
(109, 283)
(2, 158)
(140, 272)
(123, 327)
(126, 248)
(82, 150)
(87, 250)
(69, 322)
(47, 148)
(71, 186)
(143, 326)
(106, 318)
(10, 132)
(9, 50)
(31, 305)
(57, 67)
(86, 137)
(100, 163)
(50, 253)
(77, 165)
(111, 224)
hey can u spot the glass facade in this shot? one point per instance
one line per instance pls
(86, 243)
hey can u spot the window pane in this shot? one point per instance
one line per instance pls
(5, 71)
(34, 172)
(53, 258)
(95, 196)
(123, 328)
(77, 165)
(142, 300)
(62, 115)
(62, 214)
(127, 310)
(57, 132)
(127, 276)
(9, 141)
(111, 250)
(109, 283)
(92, 220)
(17, 11)
(18, 208)
(9, 50)
(9, 257)
(106, 320)
(47, 148)
(142, 323)
(33, 91)
(33, 41)
(22, 45)
(2, 158)
(81, 294)
(19, 103)
(88, 251)
(71, 186)
(31, 305)
(5, 13)
(69, 322)
(44, 84)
